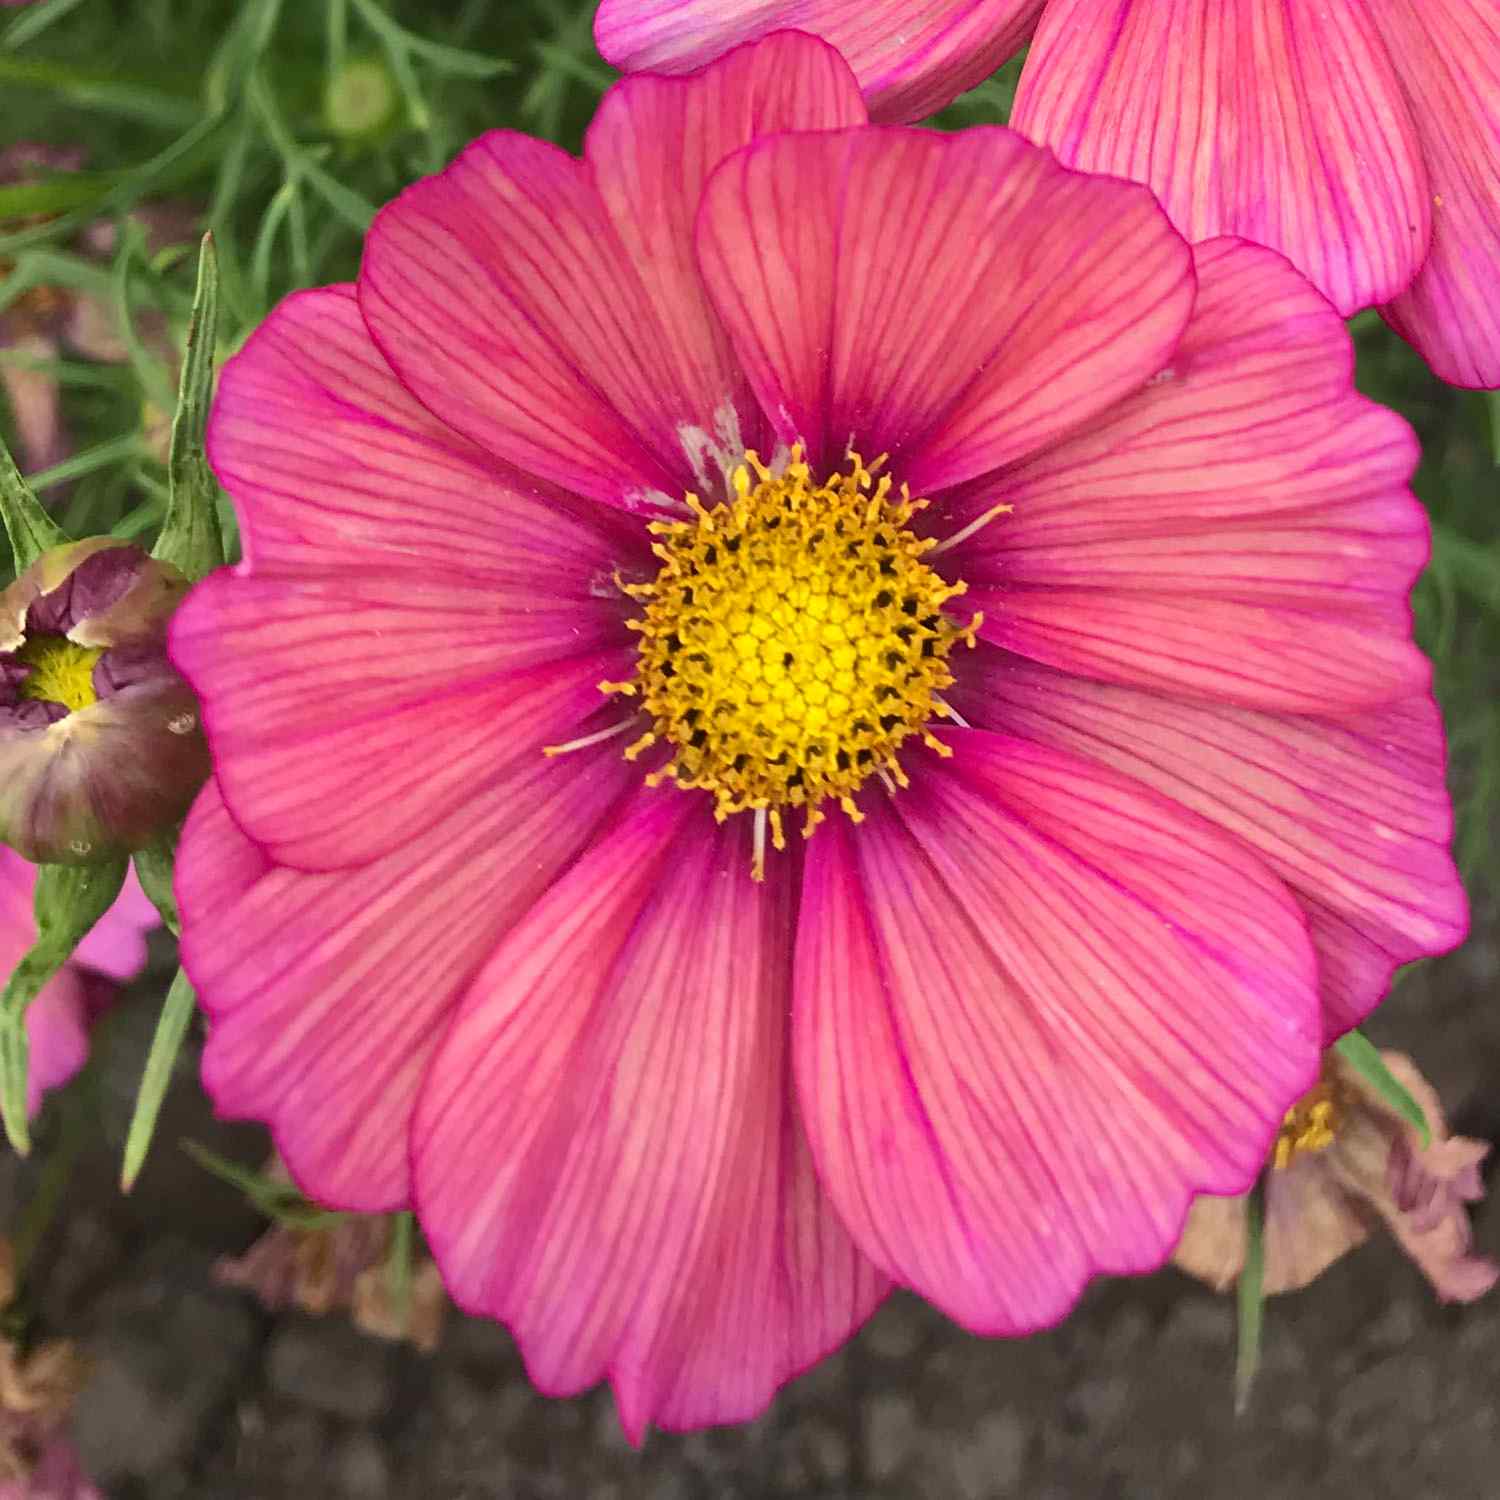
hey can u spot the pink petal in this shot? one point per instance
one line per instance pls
(349, 713)
(606, 1152)
(652, 145)
(57, 1020)
(328, 993)
(1447, 53)
(1038, 1008)
(328, 457)
(58, 1036)
(546, 306)
(1351, 814)
(1281, 123)
(1239, 531)
(956, 301)
(911, 60)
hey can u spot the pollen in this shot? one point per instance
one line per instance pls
(61, 671)
(792, 641)
(1309, 1125)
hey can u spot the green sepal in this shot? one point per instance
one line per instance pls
(1250, 1301)
(154, 867)
(1364, 1057)
(190, 537)
(171, 1027)
(30, 529)
(69, 900)
(276, 1200)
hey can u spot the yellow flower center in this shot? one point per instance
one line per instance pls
(792, 640)
(1309, 1125)
(61, 671)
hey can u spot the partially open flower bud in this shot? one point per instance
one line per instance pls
(101, 748)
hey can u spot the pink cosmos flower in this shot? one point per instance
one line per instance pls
(57, 1021)
(1105, 842)
(1361, 138)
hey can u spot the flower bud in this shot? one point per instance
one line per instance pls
(101, 748)
(361, 99)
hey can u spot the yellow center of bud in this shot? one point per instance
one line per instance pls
(1309, 1125)
(61, 671)
(792, 640)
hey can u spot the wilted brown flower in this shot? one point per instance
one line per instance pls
(37, 1390)
(1344, 1163)
(342, 1266)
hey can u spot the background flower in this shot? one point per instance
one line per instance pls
(910, 59)
(1039, 997)
(58, 1020)
(1324, 1199)
(1361, 138)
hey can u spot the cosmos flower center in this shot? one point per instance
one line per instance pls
(792, 640)
(1309, 1125)
(61, 671)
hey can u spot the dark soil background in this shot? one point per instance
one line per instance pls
(1369, 1387)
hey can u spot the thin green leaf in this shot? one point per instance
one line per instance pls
(100, 456)
(148, 368)
(1471, 566)
(1364, 1057)
(30, 529)
(162, 171)
(56, 268)
(335, 36)
(349, 205)
(265, 240)
(33, 21)
(166, 1043)
(53, 195)
(101, 89)
(190, 537)
(1250, 1297)
(277, 1200)
(455, 61)
(69, 900)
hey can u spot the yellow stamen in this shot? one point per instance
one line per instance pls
(61, 671)
(791, 641)
(1309, 1125)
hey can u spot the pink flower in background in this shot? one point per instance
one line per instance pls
(1122, 777)
(911, 58)
(57, 1021)
(1361, 138)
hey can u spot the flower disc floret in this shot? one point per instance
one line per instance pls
(61, 672)
(1310, 1124)
(793, 640)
